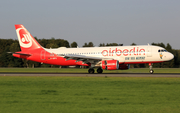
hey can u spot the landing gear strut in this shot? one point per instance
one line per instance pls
(150, 67)
(91, 70)
(99, 70)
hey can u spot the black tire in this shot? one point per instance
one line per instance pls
(91, 71)
(151, 71)
(99, 70)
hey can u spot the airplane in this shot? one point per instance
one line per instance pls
(105, 58)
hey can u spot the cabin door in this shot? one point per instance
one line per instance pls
(43, 55)
(149, 52)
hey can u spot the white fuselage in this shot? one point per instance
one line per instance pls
(124, 54)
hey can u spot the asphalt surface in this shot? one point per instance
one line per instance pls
(94, 75)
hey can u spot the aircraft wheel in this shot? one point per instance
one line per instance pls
(91, 70)
(99, 70)
(151, 71)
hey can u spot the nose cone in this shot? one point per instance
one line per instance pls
(170, 56)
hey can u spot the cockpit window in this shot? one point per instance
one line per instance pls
(162, 50)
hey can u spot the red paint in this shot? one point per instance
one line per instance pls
(110, 64)
(36, 53)
(48, 58)
(124, 52)
(26, 40)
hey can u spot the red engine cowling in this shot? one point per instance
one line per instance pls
(110, 64)
(124, 66)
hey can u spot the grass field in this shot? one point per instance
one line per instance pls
(89, 95)
(77, 70)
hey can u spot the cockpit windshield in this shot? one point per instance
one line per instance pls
(162, 50)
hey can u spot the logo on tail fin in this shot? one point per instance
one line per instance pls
(24, 37)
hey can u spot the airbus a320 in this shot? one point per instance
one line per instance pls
(107, 58)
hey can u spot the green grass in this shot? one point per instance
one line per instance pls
(77, 70)
(89, 95)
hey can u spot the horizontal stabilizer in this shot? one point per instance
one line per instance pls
(22, 54)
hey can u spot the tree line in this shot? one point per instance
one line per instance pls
(10, 45)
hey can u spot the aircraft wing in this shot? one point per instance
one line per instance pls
(83, 58)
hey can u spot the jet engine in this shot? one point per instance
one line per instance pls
(110, 64)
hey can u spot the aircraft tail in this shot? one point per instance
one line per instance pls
(26, 40)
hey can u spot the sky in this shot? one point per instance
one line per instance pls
(98, 21)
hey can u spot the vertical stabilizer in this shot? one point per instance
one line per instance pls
(26, 40)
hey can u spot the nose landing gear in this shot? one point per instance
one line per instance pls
(150, 67)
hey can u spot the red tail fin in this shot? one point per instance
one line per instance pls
(26, 40)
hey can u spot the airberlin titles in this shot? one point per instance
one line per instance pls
(125, 52)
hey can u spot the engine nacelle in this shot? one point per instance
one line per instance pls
(124, 66)
(110, 64)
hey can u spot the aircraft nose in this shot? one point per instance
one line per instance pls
(170, 56)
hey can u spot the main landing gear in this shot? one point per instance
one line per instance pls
(150, 67)
(99, 70)
(91, 71)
